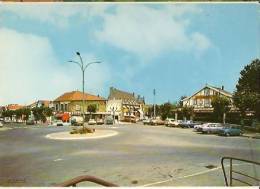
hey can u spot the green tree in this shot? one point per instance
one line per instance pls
(8, 113)
(166, 110)
(18, 114)
(221, 105)
(92, 108)
(26, 113)
(247, 94)
(187, 112)
(38, 113)
(180, 104)
(47, 111)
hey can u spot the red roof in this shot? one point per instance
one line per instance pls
(14, 106)
(77, 95)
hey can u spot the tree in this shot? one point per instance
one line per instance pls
(187, 111)
(166, 110)
(8, 113)
(180, 104)
(18, 114)
(47, 111)
(26, 113)
(247, 94)
(38, 113)
(92, 108)
(220, 106)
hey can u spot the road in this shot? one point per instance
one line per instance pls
(138, 156)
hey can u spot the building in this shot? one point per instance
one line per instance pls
(41, 103)
(124, 105)
(14, 107)
(201, 100)
(72, 103)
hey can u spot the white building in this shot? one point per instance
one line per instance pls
(125, 105)
(201, 100)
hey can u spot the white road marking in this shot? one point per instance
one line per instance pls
(59, 159)
(191, 175)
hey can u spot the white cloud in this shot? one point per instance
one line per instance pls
(56, 14)
(30, 71)
(148, 31)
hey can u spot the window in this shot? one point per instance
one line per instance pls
(207, 102)
(77, 107)
(206, 92)
(194, 101)
(57, 107)
(62, 107)
(65, 107)
(200, 102)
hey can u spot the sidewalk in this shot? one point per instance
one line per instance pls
(252, 135)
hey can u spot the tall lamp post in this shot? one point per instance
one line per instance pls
(83, 67)
(154, 114)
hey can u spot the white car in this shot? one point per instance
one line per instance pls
(199, 127)
(146, 121)
(212, 128)
(92, 122)
(169, 122)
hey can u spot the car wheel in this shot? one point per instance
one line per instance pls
(227, 134)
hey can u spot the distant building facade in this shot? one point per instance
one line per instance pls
(71, 102)
(124, 104)
(201, 100)
(41, 103)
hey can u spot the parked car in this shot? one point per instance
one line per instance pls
(109, 120)
(59, 123)
(92, 122)
(188, 124)
(169, 122)
(198, 127)
(212, 128)
(77, 120)
(157, 122)
(147, 121)
(100, 122)
(230, 130)
(29, 122)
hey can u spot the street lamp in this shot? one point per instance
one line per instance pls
(83, 67)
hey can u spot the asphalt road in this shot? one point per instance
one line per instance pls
(138, 156)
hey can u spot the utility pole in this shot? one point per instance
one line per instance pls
(154, 111)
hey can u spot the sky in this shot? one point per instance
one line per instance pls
(173, 48)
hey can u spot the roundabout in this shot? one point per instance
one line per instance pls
(67, 136)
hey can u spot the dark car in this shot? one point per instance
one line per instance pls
(188, 124)
(230, 130)
(30, 122)
(100, 122)
(109, 120)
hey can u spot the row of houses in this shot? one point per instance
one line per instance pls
(121, 104)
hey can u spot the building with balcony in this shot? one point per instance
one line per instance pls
(201, 100)
(125, 105)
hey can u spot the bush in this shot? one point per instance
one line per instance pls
(82, 131)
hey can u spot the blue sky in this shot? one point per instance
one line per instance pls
(174, 48)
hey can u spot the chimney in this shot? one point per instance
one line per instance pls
(222, 87)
